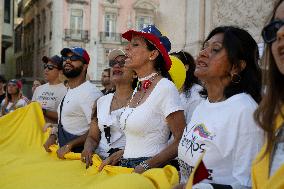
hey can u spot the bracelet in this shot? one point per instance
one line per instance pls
(145, 165)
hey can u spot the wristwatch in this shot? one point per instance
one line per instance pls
(145, 165)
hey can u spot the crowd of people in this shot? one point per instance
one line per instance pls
(141, 120)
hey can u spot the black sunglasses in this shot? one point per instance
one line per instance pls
(49, 66)
(73, 58)
(269, 32)
(114, 62)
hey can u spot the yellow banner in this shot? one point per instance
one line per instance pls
(24, 164)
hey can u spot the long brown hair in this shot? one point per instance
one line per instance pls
(273, 99)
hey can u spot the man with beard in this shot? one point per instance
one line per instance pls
(74, 111)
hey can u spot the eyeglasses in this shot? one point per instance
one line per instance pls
(73, 58)
(114, 62)
(269, 32)
(49, 66)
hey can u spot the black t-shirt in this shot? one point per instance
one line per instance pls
(2, 97)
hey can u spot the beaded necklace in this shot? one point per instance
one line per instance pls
(149, 81)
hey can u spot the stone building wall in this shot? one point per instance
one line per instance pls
(207, 14)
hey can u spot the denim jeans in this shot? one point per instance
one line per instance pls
(132, 162)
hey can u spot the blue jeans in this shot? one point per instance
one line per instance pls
(132, 162)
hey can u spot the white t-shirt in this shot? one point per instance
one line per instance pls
(77, 108)
(20, 103)
(146, 130)
(110, 119)
(190, 101)
(228, 134)
(49, 96)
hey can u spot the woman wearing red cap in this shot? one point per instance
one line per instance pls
(14, 98)
(154, 111)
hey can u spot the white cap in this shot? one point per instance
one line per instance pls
(115, 53)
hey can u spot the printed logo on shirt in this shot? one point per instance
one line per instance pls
(186, 170)
(193, 145)
(46, 97)
(202, 131)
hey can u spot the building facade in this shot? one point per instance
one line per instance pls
(204, 15)
(6, 34)
(96, 25)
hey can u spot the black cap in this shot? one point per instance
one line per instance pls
(54, 59)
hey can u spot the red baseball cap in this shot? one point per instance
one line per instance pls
(154, 36)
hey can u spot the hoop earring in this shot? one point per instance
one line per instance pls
(236, 78)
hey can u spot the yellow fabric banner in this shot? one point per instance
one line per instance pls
(24, 164)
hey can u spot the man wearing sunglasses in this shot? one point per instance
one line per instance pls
(50, 94)
(75, 109)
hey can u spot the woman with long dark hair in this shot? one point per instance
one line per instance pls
(268, 169)
(222, 128)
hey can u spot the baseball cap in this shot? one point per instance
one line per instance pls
(17, 82)
(79, 51)
(54, 59)
(154, 36)
(115, 53)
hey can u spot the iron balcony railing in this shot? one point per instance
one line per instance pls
(76, 35)
(110, 37)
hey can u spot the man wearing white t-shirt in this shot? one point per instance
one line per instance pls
(50, 94)
(75, 109)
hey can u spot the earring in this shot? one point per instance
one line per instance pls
(235, 78)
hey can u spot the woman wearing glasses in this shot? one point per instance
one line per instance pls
(268, 168)
(14, 98)
(190, 92)
(222, 128)
(105, 136)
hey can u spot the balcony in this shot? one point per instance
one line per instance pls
(109, 37)
(76, 35)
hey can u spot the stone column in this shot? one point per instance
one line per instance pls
(94, 38)
(1, 28)
(57, 26)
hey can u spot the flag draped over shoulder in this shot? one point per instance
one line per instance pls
(24, 164)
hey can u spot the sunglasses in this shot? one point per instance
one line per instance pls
(49, 66)
(73, 58)
(269, 32)
(114, 62)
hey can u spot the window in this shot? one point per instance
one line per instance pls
(143, 21)
(7, 11)
(110, 25)
(111, 1)
(76, 24)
